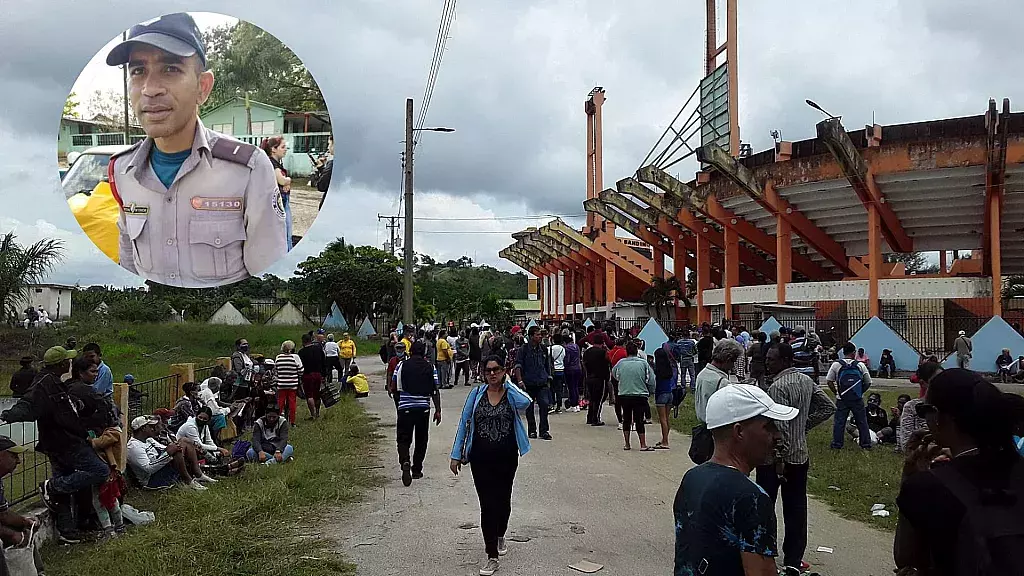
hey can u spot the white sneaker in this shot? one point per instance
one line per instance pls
(502, 547)
(490, 568)
(206, 479)
(620, 427)
(195, 485)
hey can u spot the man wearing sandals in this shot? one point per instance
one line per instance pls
(636, 385)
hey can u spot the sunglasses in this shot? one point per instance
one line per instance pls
(493, 370)
(923, 409)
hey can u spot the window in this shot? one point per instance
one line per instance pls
(226, 129)
(265, 128)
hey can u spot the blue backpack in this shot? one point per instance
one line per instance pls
(850, 381)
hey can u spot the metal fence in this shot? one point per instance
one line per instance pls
(23, 486)
(203, 373)
(144, 397)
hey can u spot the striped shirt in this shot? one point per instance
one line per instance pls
(910, 422)
(407, 401)
(289, 369)
(793, 388)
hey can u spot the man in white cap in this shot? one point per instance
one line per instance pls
(725, 523)
(964, 349)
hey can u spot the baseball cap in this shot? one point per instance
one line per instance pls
(174, 33)
(740, 402)
(399, 345)
(962, 333)
(58, 354)
(8, 445)
(515, 329)
(163, 412)
(141, 421)
(321, 331)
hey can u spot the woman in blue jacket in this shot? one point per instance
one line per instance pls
(491, 438)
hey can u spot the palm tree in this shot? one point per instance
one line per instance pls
(660, 293)
(1013, 287)
(21, 266)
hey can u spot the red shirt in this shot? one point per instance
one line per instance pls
(615, 354)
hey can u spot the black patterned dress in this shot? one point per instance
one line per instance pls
(494, 435)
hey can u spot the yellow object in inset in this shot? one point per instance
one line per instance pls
(97, 214)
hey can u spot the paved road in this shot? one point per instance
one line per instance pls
(578, 497)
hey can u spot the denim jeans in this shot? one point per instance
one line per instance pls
(77, 470)
(860, 418)
(540, 396)
(286, 199)
(254, 456)
(687, 368)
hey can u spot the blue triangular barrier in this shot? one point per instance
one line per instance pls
(336, 318)
(770, 325)
(400, 329)
(876, 336)
(366, 330)
(988, 343)
(653, 337)
(588, 323)
(531, 324)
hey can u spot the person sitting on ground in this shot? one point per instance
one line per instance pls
(886, 364)
(357, 382)
(22, 380)
(1017, 370)
(910, 422)
(156, 465)
(962, 481)
(163, 433)
(863, 358)
(877, 420)
(196, 430)
(270, 439)
(1003, 363)
(208, 392)
(15, 529)
(186, 406)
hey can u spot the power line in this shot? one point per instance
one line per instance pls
(494, 218)
(504, 232)
(447, 16)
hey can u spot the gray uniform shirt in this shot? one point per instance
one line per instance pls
(221, 221)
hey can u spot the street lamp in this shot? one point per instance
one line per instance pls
(407, 311)
(814, 105)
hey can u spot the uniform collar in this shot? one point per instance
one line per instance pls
(201, 142)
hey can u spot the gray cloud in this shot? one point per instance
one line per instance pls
(513, 84)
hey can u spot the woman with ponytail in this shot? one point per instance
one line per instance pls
(276, 148)
(961, 501)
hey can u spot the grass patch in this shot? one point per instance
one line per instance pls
(145, 350)
(863, 477)
(264, 521)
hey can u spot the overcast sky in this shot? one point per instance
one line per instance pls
(513, 83)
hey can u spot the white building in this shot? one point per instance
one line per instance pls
(54, 298)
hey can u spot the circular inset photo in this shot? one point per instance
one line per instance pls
(195, 149)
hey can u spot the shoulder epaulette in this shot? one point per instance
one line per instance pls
(233, 151)
(127, 150)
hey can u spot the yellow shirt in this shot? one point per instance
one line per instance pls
(347, 348)
(408, 346)
(444, 350)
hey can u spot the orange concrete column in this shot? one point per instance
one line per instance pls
(609, 284)
(731, 275)
(995, 254)
(942, 263)
(679, 263)
(587, 287)
(703, 276)
(874, 260)
(784, 256)
(600, 296)
(659, 262)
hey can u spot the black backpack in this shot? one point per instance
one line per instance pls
(991, 534)
(383, 352)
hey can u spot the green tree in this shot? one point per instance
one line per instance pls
(71, 106)
(660, 294)
(21, 266)
(359, 279)
(246, 59)
(913, 262)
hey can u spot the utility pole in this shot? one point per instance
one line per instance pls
(407, 312)
(391, 225)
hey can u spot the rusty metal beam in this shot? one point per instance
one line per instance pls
(598, 248)
(657, 241)
(699, 200)
(681, 216)
(743, 177)
(569, 243)
(859, 173)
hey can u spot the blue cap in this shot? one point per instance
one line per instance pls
(174, 33)
(129, 378)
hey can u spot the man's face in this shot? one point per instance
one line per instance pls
(202, 420)
(536, 338)
(759, 436)
(165, 90)
(773, 361)
(271, 418)
(243, 345)
(9, 462)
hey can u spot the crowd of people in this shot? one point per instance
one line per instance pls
(756, 397)
(241, 414)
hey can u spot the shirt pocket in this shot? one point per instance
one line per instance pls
(141, 241)
(215, 247)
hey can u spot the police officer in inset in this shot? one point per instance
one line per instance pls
(198, 208)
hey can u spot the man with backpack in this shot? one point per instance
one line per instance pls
(849, 380)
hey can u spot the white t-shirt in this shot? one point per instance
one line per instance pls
(331, 349)
(452, 341)
(833, 371)
(558, 356)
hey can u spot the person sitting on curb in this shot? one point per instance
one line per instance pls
(155, 465)
(270, 438)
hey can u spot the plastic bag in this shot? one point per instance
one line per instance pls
(135, 516)
(97, 214)
(21, 559)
